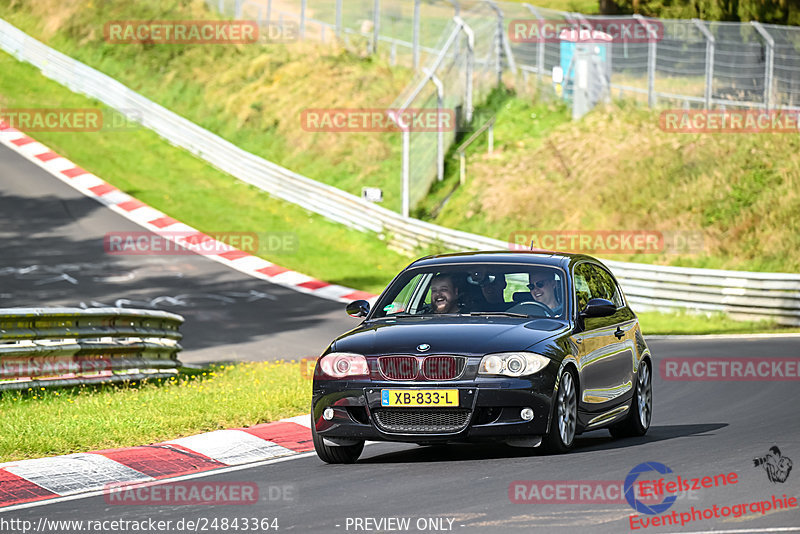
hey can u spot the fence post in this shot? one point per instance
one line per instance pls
(302, 19)
(770, 61)
(440, 133)
(539, 44)
(222, 6)
(651, 63)
(338, 19)
(470, 66)
(710, 44)
(237, 9)
(376, 25)
(406, 171)
(269, 11)
(498, 42)
(456, 13)
(415, 36)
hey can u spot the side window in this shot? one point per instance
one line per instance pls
(616, 295)
(402, 302)
(593, 282)
(583, 290)
(610, 290)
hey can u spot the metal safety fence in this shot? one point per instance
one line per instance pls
(42, 347)
(766, 295)
(688, 63)
(698, 63)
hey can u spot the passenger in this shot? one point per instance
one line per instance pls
(493, 293)
(542, 285)
(444, 294)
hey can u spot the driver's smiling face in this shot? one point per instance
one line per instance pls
(543, 289)
(443, 296)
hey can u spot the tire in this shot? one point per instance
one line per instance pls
(347, 454)
(641, 412)
(564, 418)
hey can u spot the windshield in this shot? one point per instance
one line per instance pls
(476, 289)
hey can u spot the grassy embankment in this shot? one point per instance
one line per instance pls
(51, 422)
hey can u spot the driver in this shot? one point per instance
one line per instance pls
(444, 294)
(542, 285)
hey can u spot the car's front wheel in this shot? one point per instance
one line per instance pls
(335, 454)
(641, 411)
(564, 420)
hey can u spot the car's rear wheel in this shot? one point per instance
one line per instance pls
(564, 421)
(638, 420)
(335, 454)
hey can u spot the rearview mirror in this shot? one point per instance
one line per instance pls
(599, 308)
(358, 308)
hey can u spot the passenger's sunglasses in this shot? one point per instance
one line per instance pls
(540, 284)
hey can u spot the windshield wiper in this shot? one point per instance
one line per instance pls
(501, 313)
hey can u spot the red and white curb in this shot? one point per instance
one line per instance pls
(165, 226)
(27, 481)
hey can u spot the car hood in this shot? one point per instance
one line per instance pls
(447, 335)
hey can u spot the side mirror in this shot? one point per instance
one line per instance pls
(599, 308)
(358, 308)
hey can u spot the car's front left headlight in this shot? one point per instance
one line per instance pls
(512, 364)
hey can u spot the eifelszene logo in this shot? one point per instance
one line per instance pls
(630, 496)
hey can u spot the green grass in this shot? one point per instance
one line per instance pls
(659, 323)
(199, 195)
(61, 421)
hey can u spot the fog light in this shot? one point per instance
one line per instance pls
(526, 414)
(327, 413)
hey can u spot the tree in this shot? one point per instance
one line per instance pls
(770, 11)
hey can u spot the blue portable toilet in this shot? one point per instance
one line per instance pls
(595, 42)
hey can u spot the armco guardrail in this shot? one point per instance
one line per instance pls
(766, 295)
(743, 294)
(41, 347)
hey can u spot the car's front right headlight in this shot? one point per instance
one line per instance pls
(344, 364)
(512, 364)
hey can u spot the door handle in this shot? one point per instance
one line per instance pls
(619, 333)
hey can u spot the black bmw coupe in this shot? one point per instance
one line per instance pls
(528, 348)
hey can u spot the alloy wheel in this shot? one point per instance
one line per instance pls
(567, 405)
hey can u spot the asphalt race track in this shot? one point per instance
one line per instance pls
(53, 255)
(699, 429)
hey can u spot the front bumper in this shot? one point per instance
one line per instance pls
(489, 409)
